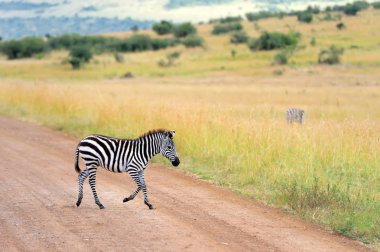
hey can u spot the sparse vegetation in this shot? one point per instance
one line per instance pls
(330, 56)
(169, 60)
(239, 37)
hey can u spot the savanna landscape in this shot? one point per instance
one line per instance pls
(227, 100)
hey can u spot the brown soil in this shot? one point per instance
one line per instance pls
(38, 191)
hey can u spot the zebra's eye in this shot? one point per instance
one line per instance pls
(169, 147)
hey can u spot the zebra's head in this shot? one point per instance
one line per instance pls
(168, 149)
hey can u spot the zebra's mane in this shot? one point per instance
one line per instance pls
(151, 132)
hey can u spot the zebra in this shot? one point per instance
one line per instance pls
(295, 115)
(123, 155)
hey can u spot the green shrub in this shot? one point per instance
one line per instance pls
(25, 48)
(341, 26)
(254, 16)
(376, 5)
(330, 56)
(225, 28)
(351, 9)
(79, 55)
(119, 57)
(184, 30)
(305, 17)
(192, 41)
(239, 37)
(164, 27)
(273, 40)
(281, 58)
(169, 60)
(313, 41)
(362, 5)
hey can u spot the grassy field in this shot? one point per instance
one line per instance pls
(229, 115)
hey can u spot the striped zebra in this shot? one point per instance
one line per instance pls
(123, 155)
(295, 115)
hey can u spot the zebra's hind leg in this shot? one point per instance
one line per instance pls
(81, 178)
(133, 195)
(92, 179)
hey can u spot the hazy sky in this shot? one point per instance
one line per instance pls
(140, 9)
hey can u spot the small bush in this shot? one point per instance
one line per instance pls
(254, 16)
(313, 41)
(184, 30)
(164, 27)
(305, 17)
(119, 57)
(225, 28)
(281, 58)
(169, 60)
(341, 26)
(239, 37)
(330, 56)
(79, 55)
(192, 41)
(273, 40)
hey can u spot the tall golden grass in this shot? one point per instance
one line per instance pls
(236, 135)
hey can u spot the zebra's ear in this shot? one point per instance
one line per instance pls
(171, 134)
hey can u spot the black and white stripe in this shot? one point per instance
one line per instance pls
(295, 115)
(123, 155)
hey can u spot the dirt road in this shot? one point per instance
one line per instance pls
(38, 191)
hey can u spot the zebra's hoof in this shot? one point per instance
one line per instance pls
(149, 205)
(78, 203)
(126, 199)
(101, 206)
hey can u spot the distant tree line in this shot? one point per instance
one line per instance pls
(307, 14)
(30, 46)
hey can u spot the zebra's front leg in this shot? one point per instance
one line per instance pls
(135, 177)
(81, 178)
(143, 185)
(92, 180)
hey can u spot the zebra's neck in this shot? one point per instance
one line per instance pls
(151, 144)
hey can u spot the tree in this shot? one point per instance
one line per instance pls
(306, 17)
(79, 55)
(164, 27)
(183, 30)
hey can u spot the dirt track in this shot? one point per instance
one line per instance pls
(38, 191)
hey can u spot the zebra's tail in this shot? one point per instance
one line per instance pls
(77, 168)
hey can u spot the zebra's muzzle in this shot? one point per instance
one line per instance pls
(176, 162)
